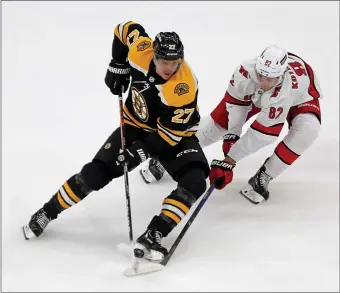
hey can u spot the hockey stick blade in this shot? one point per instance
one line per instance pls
(143, 268)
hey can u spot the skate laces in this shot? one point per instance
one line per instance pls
(156, 169)
(42, 219)
(156, 235)
(158, 165)
(264, 180)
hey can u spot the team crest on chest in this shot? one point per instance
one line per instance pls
(181, 89)
(139, 105)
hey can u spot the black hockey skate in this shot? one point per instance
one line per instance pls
(148, 246)
(152, 171)
(257, 189)
(37, 224)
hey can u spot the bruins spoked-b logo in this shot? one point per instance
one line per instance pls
(181, 89)
(139, 105)
(143, 45)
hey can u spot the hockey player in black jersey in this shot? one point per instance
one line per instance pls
(161, 118)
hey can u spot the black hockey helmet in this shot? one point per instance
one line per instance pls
(168, 46)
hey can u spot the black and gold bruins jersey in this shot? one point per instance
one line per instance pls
(167, 107)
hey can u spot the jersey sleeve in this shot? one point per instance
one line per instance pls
(238, 103)
(125, 35)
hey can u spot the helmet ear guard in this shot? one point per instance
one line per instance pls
(168, 46)
(272, 62)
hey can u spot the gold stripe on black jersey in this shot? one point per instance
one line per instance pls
(173, 137)
(167, 138)
(121, 31)
(130, 123)
(168, 135)
(129, 119)
(192, 130)
(176, 133)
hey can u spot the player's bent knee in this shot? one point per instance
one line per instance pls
(192, 178)
(313, 127)
(305, 129)
(97, 174)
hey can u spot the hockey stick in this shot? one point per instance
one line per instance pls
(126, 177)
(187, 225)
(154, 267)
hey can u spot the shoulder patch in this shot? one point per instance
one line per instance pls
(143, 45)
(244, 72)
(181, 89)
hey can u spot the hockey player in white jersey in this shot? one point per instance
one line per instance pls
(277, 86)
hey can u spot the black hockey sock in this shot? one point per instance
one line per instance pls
(70, 193)
(174, 208)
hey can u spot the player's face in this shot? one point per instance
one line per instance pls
(266, 82)
(166, 68)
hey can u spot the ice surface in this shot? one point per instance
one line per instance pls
(57, 112)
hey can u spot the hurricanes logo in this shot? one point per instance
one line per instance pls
(139, 105)
(143, 45)
(181, 89)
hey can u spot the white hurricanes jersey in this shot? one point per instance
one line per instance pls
(298, 85)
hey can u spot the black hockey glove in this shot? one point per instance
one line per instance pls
(133, 155)
(118, 75)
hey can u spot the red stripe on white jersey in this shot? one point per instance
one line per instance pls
(231, 100)
(273, 130)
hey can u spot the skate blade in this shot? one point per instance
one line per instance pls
(143, 177)
(249, 193)
(28, 233)
(142, 269)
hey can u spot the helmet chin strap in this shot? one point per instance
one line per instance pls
(255, 76)
(179, 65)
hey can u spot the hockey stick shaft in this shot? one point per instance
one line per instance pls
(126, 177)
(188, 224)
